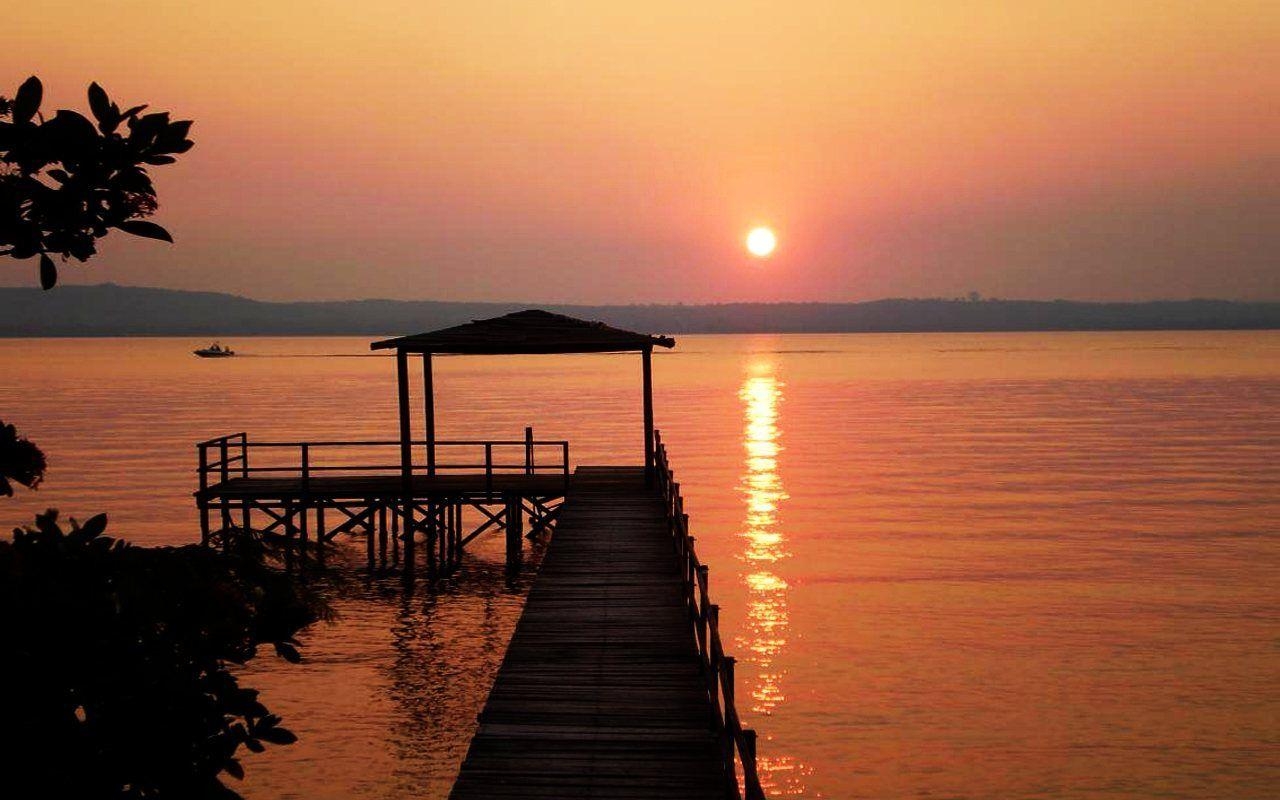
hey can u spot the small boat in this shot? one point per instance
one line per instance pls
(215, 350)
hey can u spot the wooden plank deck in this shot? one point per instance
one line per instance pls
(600, 694)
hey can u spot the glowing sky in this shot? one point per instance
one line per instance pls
(619, 151)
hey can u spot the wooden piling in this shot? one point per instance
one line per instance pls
(395, 538)
(382, 535)
(513, 518)
(369, 554)
(429, 523)
(321, 531)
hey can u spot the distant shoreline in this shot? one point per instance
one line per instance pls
(110, 310)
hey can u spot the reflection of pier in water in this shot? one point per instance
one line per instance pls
(448, 642)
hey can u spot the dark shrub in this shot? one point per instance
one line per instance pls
(114, 678)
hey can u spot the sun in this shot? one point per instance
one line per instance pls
(761, 242)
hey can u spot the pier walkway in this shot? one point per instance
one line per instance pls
(604, 690)
(616, 683)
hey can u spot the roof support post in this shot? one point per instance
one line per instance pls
(646, 357)
(406, 461)
(429, 411)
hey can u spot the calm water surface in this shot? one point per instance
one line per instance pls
(951, 565)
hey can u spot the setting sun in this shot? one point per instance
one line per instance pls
(761, 242)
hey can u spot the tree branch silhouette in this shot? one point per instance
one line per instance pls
(66, 182)
(20, 461)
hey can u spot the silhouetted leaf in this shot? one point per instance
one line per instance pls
(233, 768)
(147, 127)
(103, 111)
(288, 652)
(159, 160)
(48, 272)
(73, 130)
(277, 736)
(94, 526)
(27, 102)
(177, 131)
(82, 249)
(139, 227)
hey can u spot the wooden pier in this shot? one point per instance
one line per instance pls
(306, 494)
(615, 684)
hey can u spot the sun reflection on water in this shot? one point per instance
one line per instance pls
(764, 550)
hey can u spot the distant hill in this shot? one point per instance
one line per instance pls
(110, 310)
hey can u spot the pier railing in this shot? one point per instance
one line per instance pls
(235, 456)
(738, 743)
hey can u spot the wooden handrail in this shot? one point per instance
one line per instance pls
(739, 743)
(395, 443)
(217, 455)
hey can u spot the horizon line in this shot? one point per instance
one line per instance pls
(980, 298)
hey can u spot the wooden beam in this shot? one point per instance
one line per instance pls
(429, 411)
(647, 362)
(512, 519)
(406, 461)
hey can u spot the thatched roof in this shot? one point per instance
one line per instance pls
(526, 332)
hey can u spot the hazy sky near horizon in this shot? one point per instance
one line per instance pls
(619, 151)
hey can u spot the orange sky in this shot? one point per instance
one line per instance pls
(619, 151)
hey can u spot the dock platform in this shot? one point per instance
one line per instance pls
(616, 683)
(603, 692)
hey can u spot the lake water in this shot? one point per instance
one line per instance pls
(997, 565)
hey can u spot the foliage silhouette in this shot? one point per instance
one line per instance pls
(65, 182)
(20, 461)
(116, 679)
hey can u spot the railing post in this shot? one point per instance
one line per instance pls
(704, 620)
(564, 463)
(671, 511)
(713, 632)
(304, 501)
(203, 502)
(646, 357)
(203, 450)
(726, 682)
(690, 573)
(306, 468)
(223, 454)
(730, 739)
(736, 743)
(488, 466)
(750, 775)
(225, 474)
(528, 450)
(245, 515)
